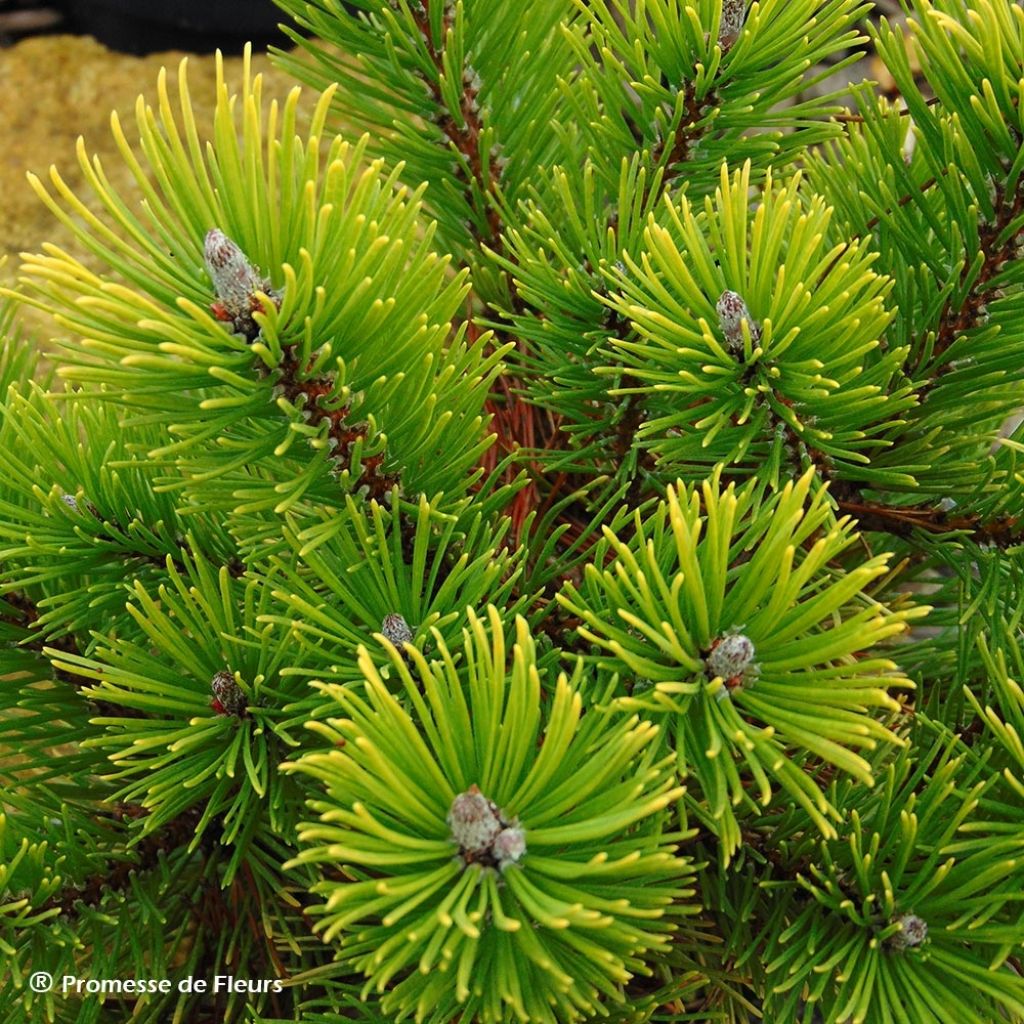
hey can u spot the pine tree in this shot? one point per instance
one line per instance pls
(531, 532)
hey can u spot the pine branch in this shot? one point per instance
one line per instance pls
(633, 415)
(65, 644)
(343, 437)
(971, 312)
(686, 135)
(633, 418)
(1003, 531)
(739, 627)
(901, 202)
(117, 877)
(465, 137)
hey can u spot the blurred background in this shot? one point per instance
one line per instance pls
(145, 26)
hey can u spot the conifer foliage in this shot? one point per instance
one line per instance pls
(531, 532)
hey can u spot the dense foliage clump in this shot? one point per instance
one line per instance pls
(531, 533)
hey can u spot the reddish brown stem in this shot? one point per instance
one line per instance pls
(684, 137)
(29, 615)
(342, 435)
(901, 202)
(956, 321)
(902, 521)
(146, 855)
(464, 137)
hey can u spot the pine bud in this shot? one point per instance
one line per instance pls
(234, 278)
(509, 846)
(228, 697)
(235, 283)
(396, 629)
(731, 24)
(474, 823)
(732, 311)
(72, 503)
(913, 931)
(731, 657)
(483, 833)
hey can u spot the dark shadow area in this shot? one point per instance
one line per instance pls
(196, 26)
(140, 27)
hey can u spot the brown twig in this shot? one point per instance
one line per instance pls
(342, 435)
(901, 202)
(956, 321)
(465, 137)
(902, 521)
(684, 137)
(66, 644)
(851, 118)
(117, 877)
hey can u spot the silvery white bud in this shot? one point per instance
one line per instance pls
(732, 311)
(228, 694)
(731, 656)
(731, 24)
(913, 931)
(509, 846)
(474, 823)
(73, 503)
(396, 629)
(235, 279)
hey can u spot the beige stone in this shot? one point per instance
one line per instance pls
(59, 87)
